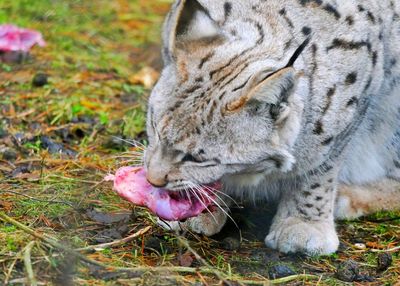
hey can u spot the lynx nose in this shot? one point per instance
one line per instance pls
(158, 168)
(157, 180)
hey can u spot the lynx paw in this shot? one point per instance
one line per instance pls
(204, 223)
(293, 235)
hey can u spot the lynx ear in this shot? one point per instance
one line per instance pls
(188, 20)
(271, 91)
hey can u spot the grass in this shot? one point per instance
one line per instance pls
(94, 52)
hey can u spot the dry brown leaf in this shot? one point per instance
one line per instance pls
(186, 259)
(147, 77)
(32, 177)
(6, 206)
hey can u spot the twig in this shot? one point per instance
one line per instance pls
(48, 239)
(281, 280)
(11, 268)
(394, 249)
(71, 179)
(202, 279)
(116, 242)
(39, 200)
(28, 264)
(23, 281)
(221, 276)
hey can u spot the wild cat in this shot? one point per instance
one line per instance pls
(297, 100)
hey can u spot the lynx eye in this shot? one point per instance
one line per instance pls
(191, 158)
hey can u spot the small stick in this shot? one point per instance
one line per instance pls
(11, 268)
(221, 276)
(48, 239)
(28, 264)
(394, 249)
(203, 280)
(281, 280)
(116, 242)
(38, 200)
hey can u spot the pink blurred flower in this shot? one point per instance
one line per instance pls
(13, 38)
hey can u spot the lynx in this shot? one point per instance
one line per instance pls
(295, 101)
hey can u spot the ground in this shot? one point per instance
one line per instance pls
(67, 114)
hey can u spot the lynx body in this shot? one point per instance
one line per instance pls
(297, 101)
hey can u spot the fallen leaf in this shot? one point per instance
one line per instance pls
(186, 259)
(6, 206)
(147, 77)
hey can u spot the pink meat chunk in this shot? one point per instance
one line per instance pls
(13, 38)
(131, 184)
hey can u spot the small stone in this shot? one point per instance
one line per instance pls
(384, 261)
(22, 169)
(3, 133)
(9, 154)
(55, 148)
(279, 271)
(348, 271)
(360, 246)
(265, 256)
(154, 243)
(40, 79)
(20, 137)
(230, 243)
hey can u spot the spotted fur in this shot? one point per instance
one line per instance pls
(285, 99)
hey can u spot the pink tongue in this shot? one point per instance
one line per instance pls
(131, 184)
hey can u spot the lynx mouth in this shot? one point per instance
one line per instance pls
(131, 184)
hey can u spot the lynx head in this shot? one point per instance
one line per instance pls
(226, 102)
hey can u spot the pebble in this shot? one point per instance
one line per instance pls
(22, 169)
(3, 132)
(230, 243)
(360, 246)
(8, 154)
(279, 271)
(40, 79)
(348, 271)
(56, 148)
(384, 261)
(155, 243)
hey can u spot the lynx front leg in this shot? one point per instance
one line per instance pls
(304, 221)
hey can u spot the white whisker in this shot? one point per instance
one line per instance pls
(126, 156)
(140, 152)
(131, 142)
(216, 192)
(193, 191)
(217, 204)
(188, 195)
